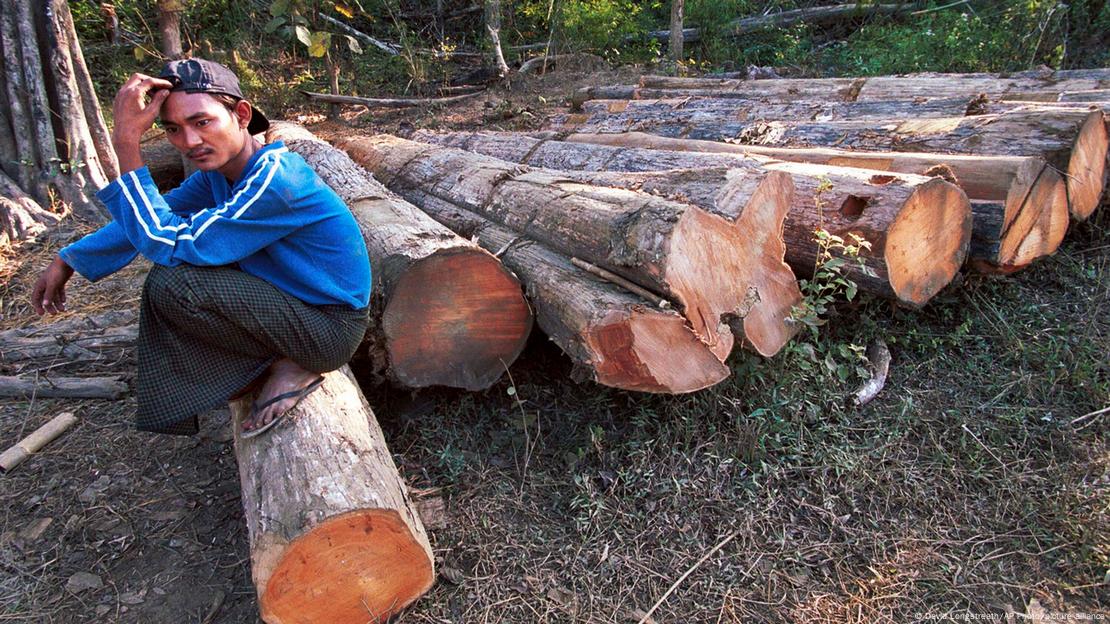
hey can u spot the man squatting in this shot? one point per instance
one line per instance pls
(260, 275)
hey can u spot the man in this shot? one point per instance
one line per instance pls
(260, 272)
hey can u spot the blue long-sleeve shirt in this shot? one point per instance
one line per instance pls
(279, 222)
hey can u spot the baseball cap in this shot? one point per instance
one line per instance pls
(200, 76)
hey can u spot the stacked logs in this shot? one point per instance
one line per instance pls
(52, 134)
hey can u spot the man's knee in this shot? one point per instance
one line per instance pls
(170, 287)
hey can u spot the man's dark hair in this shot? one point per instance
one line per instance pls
(229, 101)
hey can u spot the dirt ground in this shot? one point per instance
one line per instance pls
(578, 503)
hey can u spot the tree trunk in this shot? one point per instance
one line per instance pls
(333, 534)
(711, 267)
(20, 216)
(613, 337)
(904, 87)
(630, 114)
(493, 25)
(94, 118)
(22, 132)
(169, 27)
(1075, 142)
(1032, 195)
(676, 30)
(1098, 96)
(446, 313)
(918, 227)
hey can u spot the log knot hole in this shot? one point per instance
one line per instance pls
(853, 206)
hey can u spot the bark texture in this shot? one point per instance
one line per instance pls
(712, 268)
(334, 537)
(445, 311)
(1031, 194)
(919, 228)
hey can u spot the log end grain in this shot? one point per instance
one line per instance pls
(928, 241)
(456, 318)
(1086, 175)
(1036, 216)
(651, 350)
(324, 576)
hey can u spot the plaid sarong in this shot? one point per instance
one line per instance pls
(207, 332)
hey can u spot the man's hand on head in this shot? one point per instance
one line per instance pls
(134, 115)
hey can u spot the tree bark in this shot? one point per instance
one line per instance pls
(1075, 142)
(919, 229)
(20, 216)
(493, 25)
(169, 27)
(676, 34)
(1031, 195)
(109, 388)
(711, 267)
(614, 337)
(446, 313)
(94, 117)
(84, 347)
(334, 537)
(25, 156)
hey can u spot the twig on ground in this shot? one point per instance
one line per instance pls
(647, 616)
(879, 356)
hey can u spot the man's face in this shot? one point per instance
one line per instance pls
(203, 129)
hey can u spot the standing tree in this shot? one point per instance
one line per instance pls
(169, 27)
(53, 140)
(677, 7)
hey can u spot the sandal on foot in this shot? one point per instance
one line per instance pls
(256, 407)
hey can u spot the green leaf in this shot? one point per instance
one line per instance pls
(318, 46)
(279, 7)
(353, 44)
(273, 24)
(303, 35)
(850, 291)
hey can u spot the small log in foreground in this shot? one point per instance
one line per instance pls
(918, 227)
(39, 438)
(613, 336)
(703, 262)
(91, 345)
(334, 538)
(1075, 142)
(62, 387)
(1028, 196)
(445, 312)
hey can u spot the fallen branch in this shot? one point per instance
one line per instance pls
(388, 102)
(63, 387)
(748, 25)
(532, 65)
(647, 616)
(39, 438)
(879, 356)
(388, 48)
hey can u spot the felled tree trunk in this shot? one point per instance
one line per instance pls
(1029, 195)
(446, 313)
(164, 162)
(629, 114)
(709, 266)
(334, 538)
(1075, 142)
(613, 336)
(919, 228)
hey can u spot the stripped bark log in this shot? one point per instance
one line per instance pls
(334, 537)
(1075, 142)
(110, 388)
(613, 337)
(446, 312)
(708, 265)
(919, 228)
(1031, 195)
(389, 102)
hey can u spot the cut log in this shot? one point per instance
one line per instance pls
(91, 345)
(1099, 96)
(62, 387)
(1075, 142)
(388, 102)
(164, 162)
(613, 337)
(629, 114)
(334, 538)
(704, 263)
(446, 313)
(1031, 195)
(903, 87)
(918, 227)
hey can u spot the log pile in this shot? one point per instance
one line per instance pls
(52, 133)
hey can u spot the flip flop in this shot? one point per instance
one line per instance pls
(255, 408)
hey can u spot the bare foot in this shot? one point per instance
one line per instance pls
(285, 376)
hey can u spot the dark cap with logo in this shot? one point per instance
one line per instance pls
(200, 76)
